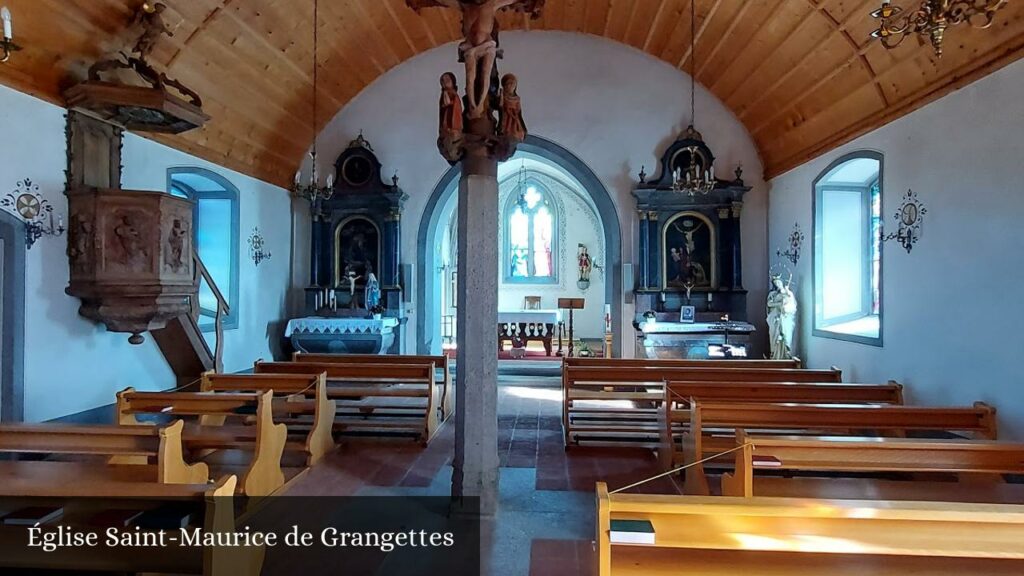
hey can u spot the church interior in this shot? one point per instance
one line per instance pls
(611, 286)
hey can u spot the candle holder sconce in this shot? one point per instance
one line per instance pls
(7, 43)
(796, 241)
(909, 220)
(35, 211)
(256, 247)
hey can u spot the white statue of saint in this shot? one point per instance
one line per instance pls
(782, 308)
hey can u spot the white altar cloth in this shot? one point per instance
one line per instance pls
(314, 325)
(530, 317)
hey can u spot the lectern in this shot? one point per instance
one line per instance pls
(571, 304)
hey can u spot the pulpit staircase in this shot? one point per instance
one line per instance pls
(182, 342)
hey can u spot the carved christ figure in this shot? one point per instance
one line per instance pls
(479, 46)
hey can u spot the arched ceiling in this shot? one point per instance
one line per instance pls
(802, 75)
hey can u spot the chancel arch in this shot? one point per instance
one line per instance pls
(573, 187)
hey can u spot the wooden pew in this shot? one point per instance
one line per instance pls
(596, 362)
(718, 536)
(376, 399)
(642, 390)
(135, 446)
(318, 441)
(710, 427)
(442, 363)
(266, 441)
(975, 462)
(88, 494)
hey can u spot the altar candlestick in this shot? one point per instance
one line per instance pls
(710, 296)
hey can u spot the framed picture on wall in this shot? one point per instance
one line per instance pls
(687, 314)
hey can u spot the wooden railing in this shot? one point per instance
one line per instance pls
(201, 273)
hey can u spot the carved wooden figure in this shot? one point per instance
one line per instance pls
(449, 140)
(511, 123)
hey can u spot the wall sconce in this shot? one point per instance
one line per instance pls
(256, 245)
(34, 210)
(909, 219)
(8, 41)
(796, 240)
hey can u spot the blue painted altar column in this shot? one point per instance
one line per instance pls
(316, 226)
(643, 249)
(653, 250)
(737, 254)
(392, 257)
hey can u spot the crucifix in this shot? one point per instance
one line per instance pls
(471, 136)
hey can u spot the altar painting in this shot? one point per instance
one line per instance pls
(357, 250)
(688, 252)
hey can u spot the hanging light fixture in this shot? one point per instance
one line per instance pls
(521, 187)
(697, 179)
(931, 19)
(313, 191)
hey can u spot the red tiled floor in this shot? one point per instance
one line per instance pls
(562, 558)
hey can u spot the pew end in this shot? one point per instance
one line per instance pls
(172, 466)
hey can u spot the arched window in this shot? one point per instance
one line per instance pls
(215, 225)
(531, 247)
(848, 249)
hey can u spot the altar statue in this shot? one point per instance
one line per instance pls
(782, 309)
(371, 294)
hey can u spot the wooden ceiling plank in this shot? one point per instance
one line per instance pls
(597, 16)
(741, 22)
(704, 22)
(786, 23)
(810, 52)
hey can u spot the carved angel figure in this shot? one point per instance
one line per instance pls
(480, 41)
(150, 23)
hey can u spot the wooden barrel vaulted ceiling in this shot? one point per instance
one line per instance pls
(802, 75)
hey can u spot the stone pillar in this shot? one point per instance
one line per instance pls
(475, 467)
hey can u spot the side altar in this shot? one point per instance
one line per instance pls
(355, 261)
(690, 299)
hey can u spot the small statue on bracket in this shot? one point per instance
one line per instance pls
(511, 123)
(449, 139)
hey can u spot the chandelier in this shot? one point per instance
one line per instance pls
(698, 178)
(312, 190)
(931, 19)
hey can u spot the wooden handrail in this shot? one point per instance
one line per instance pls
(201, 273)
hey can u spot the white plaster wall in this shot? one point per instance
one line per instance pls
(72, 364)
(952, 308)
(613, 106)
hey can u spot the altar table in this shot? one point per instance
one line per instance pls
(342, 335)
(523, 326)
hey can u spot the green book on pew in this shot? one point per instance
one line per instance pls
(632, 532)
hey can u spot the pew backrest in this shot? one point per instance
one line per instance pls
(798, 392)
(370, 373)
(847, 454)
(122, 444)
(595, 362)
(704, 434)
(657, 376)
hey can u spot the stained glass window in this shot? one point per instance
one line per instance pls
(530, 225)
